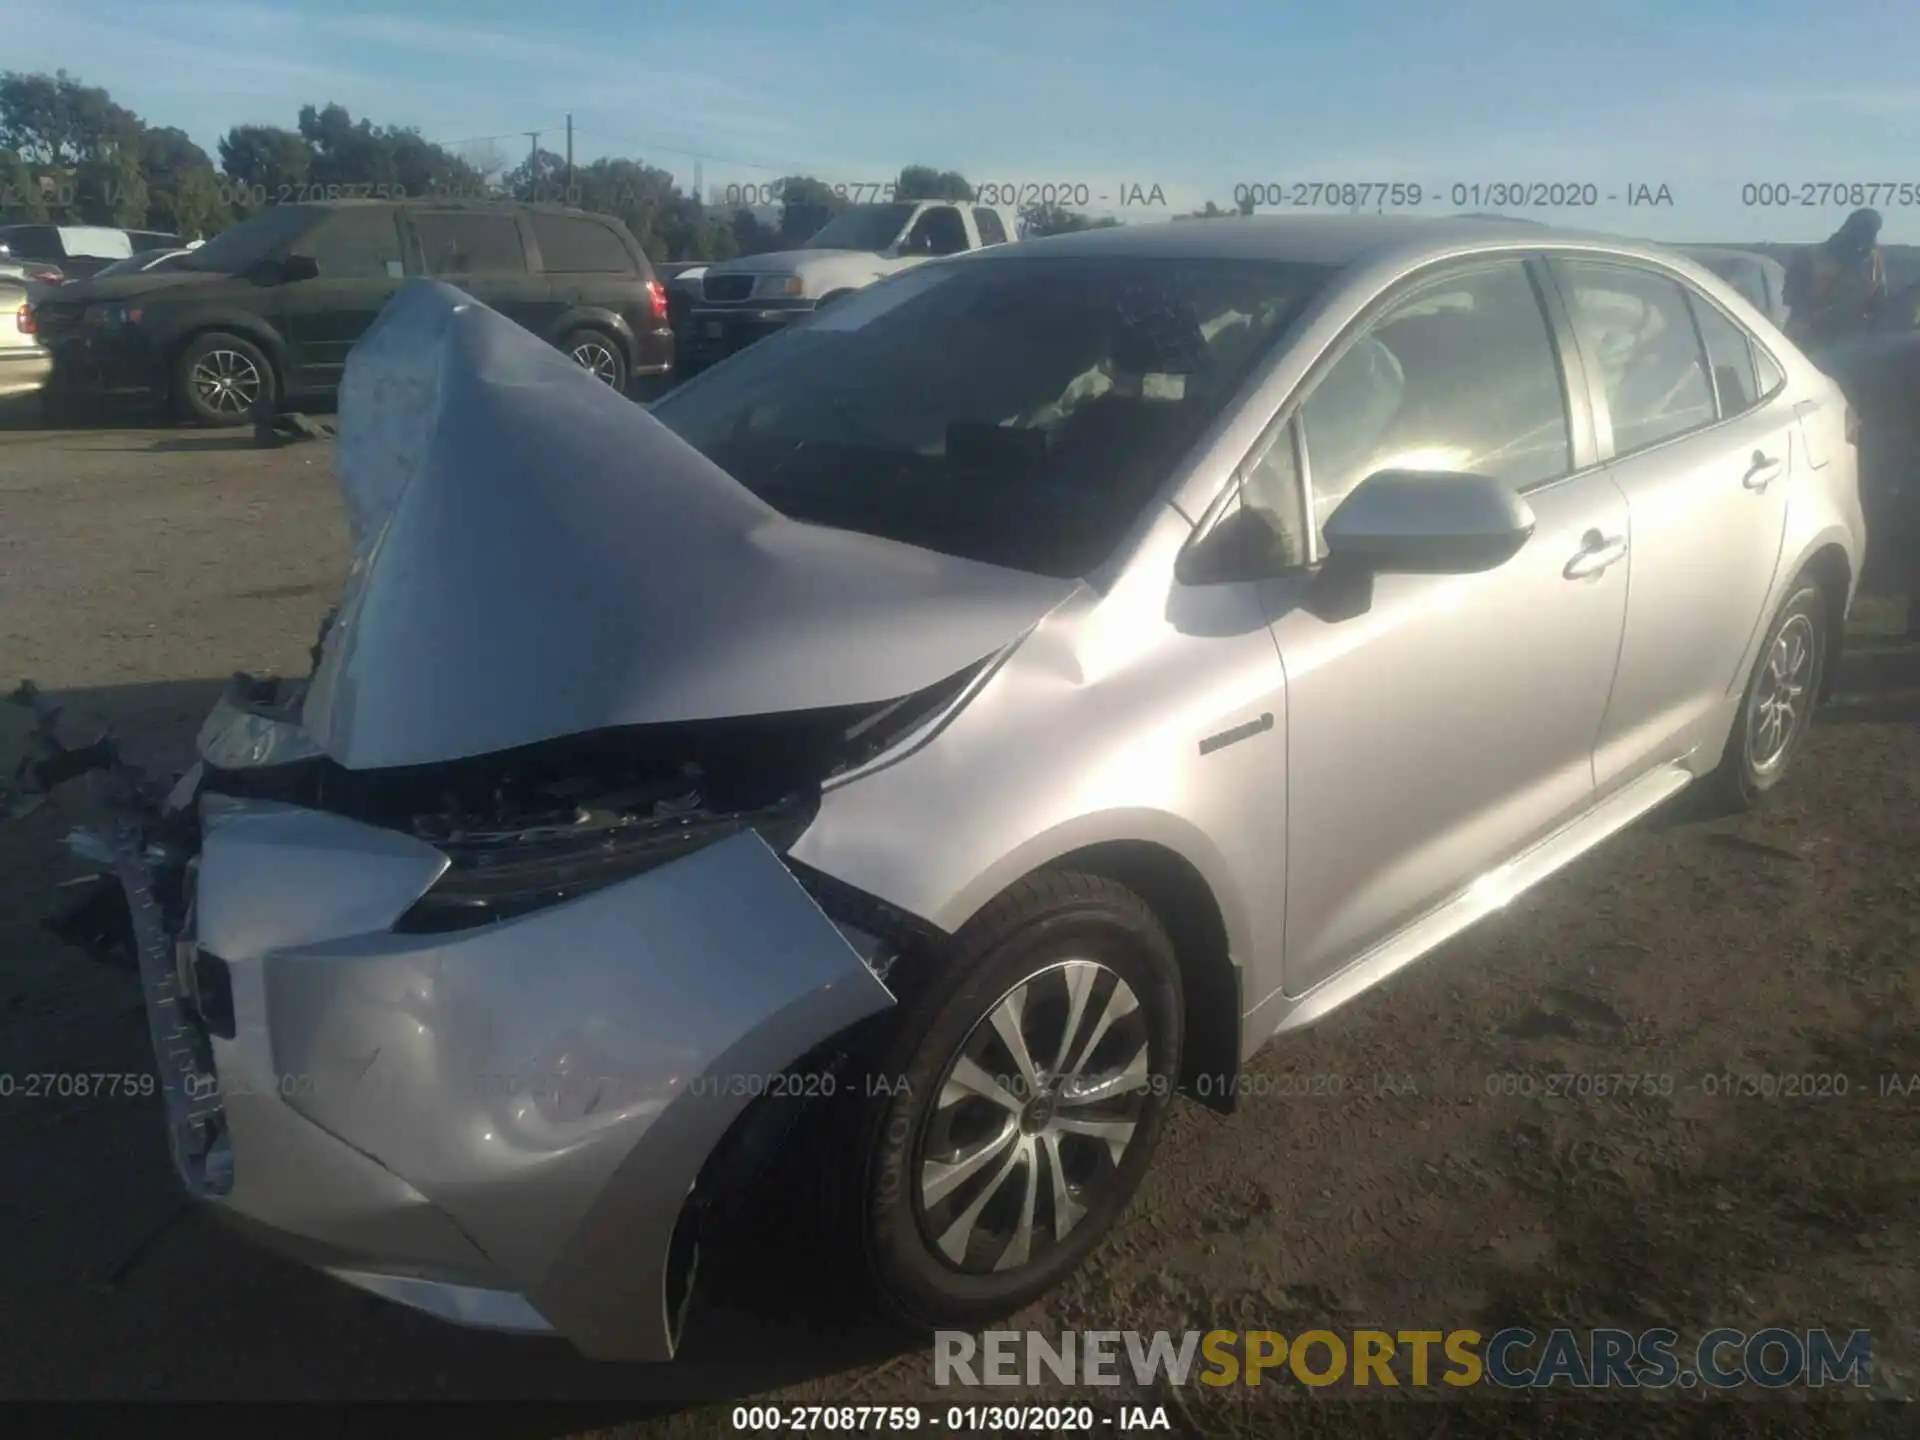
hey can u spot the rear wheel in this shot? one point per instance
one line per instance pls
(1018, 1102)
(219, 378)
(1778, 704)
(599, 355)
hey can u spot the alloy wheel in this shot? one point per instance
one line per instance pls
(598, 360)
(1032, 1118)
(1782, 696)
(227, 382)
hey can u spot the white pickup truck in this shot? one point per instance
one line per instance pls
(746, 299)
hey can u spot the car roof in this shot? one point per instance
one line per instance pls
(434, 202)
(1723, 252)
(1336, 240)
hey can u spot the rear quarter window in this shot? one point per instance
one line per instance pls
(571, 245)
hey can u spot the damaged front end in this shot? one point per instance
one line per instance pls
(469, 1035)
(465, 955)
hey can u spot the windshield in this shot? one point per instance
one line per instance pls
(865, 227)
(251, 241)
(1017, 411)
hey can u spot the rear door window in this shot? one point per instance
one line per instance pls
(573, 245)
(1730, 356)
(992, 232)
(453, 243)
(1634, 326)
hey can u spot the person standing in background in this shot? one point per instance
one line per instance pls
(1838, 286)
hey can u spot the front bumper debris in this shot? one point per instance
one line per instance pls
(505, 1126)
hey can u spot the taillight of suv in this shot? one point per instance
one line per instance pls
(658, 292)
(23, 320)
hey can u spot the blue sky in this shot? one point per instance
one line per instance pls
(1699, 95)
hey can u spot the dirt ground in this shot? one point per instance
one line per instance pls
(139, 567)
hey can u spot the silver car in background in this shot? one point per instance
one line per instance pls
(24, 361)
(1013, 696)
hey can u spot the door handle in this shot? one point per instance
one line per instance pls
(1762, 473)
(1597, 552)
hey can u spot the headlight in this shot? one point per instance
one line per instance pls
(779, 285)
(111, 315)
(502, 876)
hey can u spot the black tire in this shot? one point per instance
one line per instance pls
(600, 355)
(1031, 939)
(1791, 665)
(198, 373)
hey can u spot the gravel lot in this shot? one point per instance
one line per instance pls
(139, 567)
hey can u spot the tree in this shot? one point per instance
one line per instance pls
(110, 190)
(267, 160)
(542, 176)
(750, 237)
(197, 210)
(805, 205)
(53, 121)
(923, 182)
(20, 190)
(168, 160)
(1037, 220)
(639, 195)
(361, 157)
(690, 231)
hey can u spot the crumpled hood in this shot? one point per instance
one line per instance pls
(536, 556)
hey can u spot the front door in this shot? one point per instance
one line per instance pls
(1450, 724)
(1703, 459)
(357, 250)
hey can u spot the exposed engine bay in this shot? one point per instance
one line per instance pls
(523, 828)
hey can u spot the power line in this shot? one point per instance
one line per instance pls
(645, 145)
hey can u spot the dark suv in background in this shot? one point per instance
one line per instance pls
(268, 310)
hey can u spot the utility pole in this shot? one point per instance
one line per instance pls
(533, 163)
(569, 195)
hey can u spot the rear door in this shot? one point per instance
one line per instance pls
(1449, 725)
(485, 253)
(1702, 450)
(586, 262)
(357, 250)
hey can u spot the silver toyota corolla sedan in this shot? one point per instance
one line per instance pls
(1010, 699)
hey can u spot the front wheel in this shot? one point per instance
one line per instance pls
(219, 378)
(1019, 1102)
(1778, 704)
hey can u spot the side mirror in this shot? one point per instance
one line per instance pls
(1431, 522)
(299, 267)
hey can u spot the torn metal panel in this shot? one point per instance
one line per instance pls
(274, 876)
(243, 731)
(535, 556)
